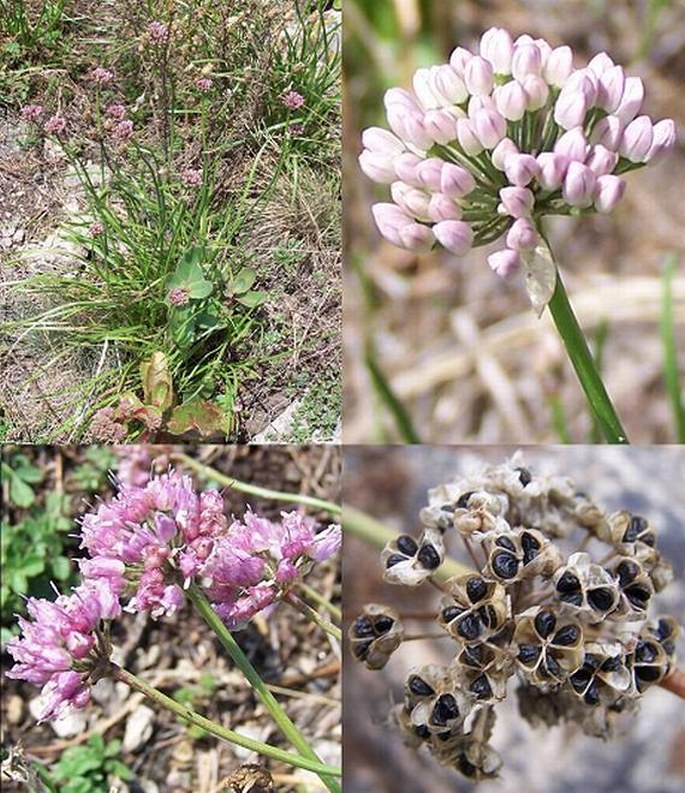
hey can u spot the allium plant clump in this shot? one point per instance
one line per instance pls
(487, 145)
(570, 626)
(145, 548)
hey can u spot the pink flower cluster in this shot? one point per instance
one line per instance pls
(191, 177)
(254, 562)
(54, 125)
(58, 648)
(179, 296)
(145, 546)
(490, 142)
(101, 76)
(204, 84)
(31, 113)
(158, 33)
(293, 100)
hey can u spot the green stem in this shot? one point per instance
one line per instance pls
(389, 399)
(378, 534)
(584, 364)
(312, 615)
(218, 730)
(207, 472)
(312, 594)
(668, 338)
(279, 716)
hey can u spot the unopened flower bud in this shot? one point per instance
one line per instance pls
(522, 235)
(504, 263)
(378, 167)
(608, 132)
(637, 139)
(442, 207)
(455, 181)
(518, 202)
(458, 59)
(601, 160)
(448, 85)
(521, 169)
(478, 76)
(502, 150)
(411, 199)
(497, 47)
(467, 138)
(579, 185)
(553, 168)
(511, 100)
(406, 168)
(380, 140)
(608, 192)
(664, 138)
(489, 126)
(440, 126)
(536, 90)
(573, 144)
(631, 100)
(526, 59)
(610, 88)
(429, 172)
(572, 105)
(455, 235)
(600, 63)
(559, 66)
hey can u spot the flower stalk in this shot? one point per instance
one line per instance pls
(581, 358)
(218, 730)
(277, 713)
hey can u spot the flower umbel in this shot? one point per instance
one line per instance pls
(487, 145)
(63, 647)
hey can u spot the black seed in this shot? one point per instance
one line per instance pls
(627, 571)
(531, 547)
(362, 626)
(407, 545)
(444, 736)
(472, 656)
(488, 616)
(611, 664)
(552, 666)
(649, 539)
(418, 686)
(573, 598)
(422, 731)
(545, 623)
(394, 559)
(566, 636)
(481, 688)
(361, 649)
(463, 500)
(601, 599)
(505, 542)
(592, 661)
(525, 477)
(445, 710)
(383, 624)
(568, 583)
(663, 629)
(469, 627)
(592, 694)
(451, 613)
(465, 767)
(429, 557)
(581, 678)
(638, 596)
(528, 653)
(504, 565)
(636, 526)
(648, 674)
(669, 647)
(476, 589)
(447, 508)
(645, 653)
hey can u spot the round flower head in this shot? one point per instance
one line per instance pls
(59, 648)
(512, 132)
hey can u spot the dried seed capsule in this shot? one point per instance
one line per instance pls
(473, 608)
(409, 562)
(375, 634)
(547, 651)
